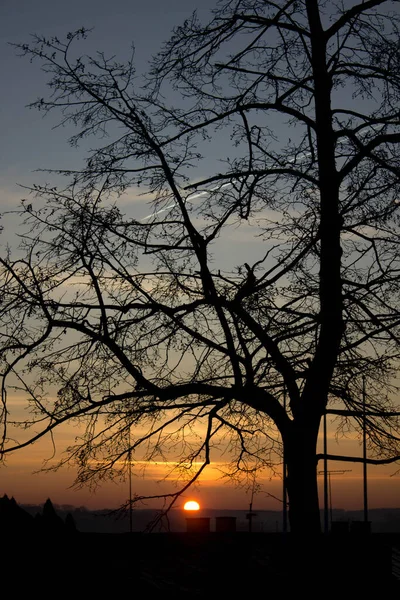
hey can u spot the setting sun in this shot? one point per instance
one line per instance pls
(191, 505)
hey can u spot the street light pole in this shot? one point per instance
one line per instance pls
(365, 485)
(326, 503)
(328, 508)
(130, 483)
(284, 479)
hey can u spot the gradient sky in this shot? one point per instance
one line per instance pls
(30, 143)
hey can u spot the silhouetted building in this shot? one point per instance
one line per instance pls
(198, 524)
(360, 527)
(225, 524)
(339, 527)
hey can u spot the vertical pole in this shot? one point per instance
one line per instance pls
(326, 503)
(130, 483)
(365, 454)
(251, 514)
(330, 499)
(284, 491)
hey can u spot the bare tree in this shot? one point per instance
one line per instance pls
(146, 333)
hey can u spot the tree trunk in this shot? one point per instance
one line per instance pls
(302, 487)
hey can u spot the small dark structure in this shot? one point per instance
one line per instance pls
(339, 527)
(225, 524)
(360, 527)
(198, 524)
(250, 516)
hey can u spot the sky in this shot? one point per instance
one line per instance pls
(29, 143)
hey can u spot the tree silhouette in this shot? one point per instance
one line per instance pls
(70, 524)
(49, 521)
(13, 518)
(145, 327)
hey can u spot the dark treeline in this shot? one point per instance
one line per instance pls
(15, 520)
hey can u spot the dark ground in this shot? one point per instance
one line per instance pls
(213, 565)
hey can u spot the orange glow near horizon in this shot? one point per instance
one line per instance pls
(20, 477)
(191, 505)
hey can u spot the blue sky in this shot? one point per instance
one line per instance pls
(28, 140)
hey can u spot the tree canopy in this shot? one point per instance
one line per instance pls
(159, 332)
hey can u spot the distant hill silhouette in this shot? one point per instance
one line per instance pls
(66, 519)
(383, 520)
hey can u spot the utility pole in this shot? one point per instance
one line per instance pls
(284, 480)
(250, 515)
(326, 514)
(364, 429)
(328, 508)
(130, 483)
